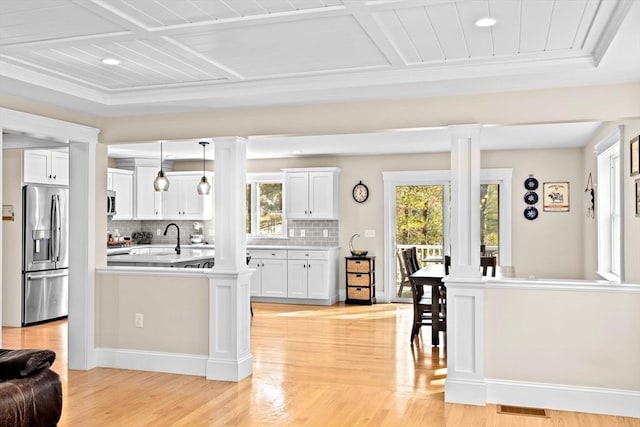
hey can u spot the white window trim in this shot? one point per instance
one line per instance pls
(501, 176)
(255, 178)
(605, 150)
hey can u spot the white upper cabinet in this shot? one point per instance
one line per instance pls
(182, 200)
(148, 202)
(46, 167)
(311, 193)
(121, 181)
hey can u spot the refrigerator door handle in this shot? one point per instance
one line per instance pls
(46, 276)
(55, 228)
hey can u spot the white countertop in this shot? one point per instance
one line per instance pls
(114, 251)
(166, 257)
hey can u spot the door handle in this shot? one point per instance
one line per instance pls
(46, 276)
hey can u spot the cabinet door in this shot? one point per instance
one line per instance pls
(192, 202)
(172, 199)
(36, 166)
(122, 184)
(60, 167)
(256, 278)
(148, 202)
(321, 197)
(297, 194)
(274, 278)
(318, 279)
(297, 278)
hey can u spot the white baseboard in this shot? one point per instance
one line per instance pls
(172, 363)
(564, 397)
(468, 392)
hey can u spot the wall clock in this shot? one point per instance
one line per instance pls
(360, 192)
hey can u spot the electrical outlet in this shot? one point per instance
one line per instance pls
(158, 232)
(139, 320)
(325, 233)
(292, 232)
(301, 233)
(369, 233)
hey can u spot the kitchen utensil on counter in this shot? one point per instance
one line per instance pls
(197, 236)
(142, 237)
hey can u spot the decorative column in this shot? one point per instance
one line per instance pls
(465, 201)
(230, 356)
(465, 291)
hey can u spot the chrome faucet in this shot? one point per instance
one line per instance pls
(177, 248)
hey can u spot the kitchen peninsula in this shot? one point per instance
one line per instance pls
(292, 274)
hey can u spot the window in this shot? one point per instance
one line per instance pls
(490, 218)
(609, 208)
(264, 205)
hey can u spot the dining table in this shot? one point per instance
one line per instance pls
(431, 275)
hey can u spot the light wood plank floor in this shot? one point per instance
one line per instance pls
(343, 365)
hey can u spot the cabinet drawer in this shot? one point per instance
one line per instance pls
(359, 293)
(358, 265)
(266, 254)
(355, 279)
(308, 254)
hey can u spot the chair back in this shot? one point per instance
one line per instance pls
(486, 262)
(410, 258)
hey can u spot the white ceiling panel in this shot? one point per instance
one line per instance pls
(288, 48)
(446, 22)
(24, 21)
(417, 34)
(219, 52)
(567, 16)
(479, 40)
(535, 21)
(506, 33)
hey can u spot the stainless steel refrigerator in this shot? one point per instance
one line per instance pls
(45, 256)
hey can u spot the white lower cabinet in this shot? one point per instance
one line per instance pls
(270, 276)
(308, 274)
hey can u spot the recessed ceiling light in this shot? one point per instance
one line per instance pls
(111, 61)
(485, 22)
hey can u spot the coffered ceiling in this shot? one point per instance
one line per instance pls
(187, 55)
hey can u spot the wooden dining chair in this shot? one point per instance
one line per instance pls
(404, 276)
(422, 306)
(486, 262)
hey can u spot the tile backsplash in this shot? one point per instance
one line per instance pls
(313, 230)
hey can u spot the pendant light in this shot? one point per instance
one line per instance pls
(161, 183)
(203, 186)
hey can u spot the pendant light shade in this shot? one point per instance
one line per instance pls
(161, 183)
(203, 186)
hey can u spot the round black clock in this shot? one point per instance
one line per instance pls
(360, 192)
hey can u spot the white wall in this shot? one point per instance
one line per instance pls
(550, 246)
(175, 310)
(12, 239)
(578, 338)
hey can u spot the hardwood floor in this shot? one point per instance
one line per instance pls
(343, 365)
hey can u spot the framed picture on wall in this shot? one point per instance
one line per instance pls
(634, 155)
(556, 196)
(638, 198)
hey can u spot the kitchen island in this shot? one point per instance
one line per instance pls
(162, 256)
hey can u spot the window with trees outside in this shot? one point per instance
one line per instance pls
(264, 205)
(420, 219)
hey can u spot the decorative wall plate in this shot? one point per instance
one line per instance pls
(531, 198)
(531, 183)
(531, 213)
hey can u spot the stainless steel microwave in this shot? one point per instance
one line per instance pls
(111, 203)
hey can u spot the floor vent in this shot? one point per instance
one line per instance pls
(519, 410)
